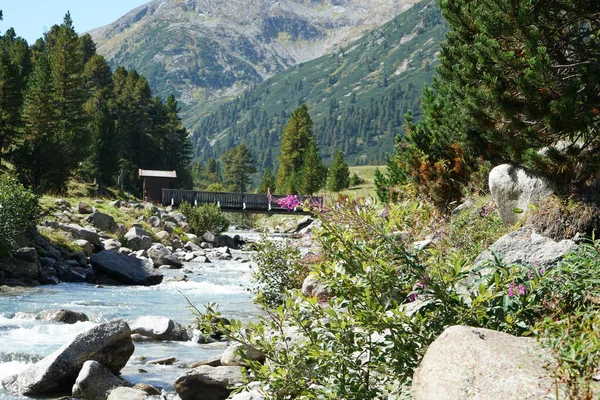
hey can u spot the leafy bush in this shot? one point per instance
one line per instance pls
(278, 269)
(356, 180)
(19, 211)
(205, 218)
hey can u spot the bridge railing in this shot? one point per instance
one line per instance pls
(232, 201)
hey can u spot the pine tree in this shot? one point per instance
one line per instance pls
(339, 173)
(297, 136)
(267, 182)
(313, 174)
(237, 168)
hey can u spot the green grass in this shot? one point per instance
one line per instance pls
(365, 189)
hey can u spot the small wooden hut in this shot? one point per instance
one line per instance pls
(155, 182)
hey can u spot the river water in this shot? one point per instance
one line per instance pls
(24, 340)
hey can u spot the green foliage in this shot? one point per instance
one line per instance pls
(267, 182)
(278, 269)
(574, 341)
(19, 211)
(356, 180)
(339, 174)
(237, 168)
(205, 218)
(313, 173)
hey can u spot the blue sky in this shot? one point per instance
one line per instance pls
(31, 18)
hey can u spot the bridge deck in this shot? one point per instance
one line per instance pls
(235, 202)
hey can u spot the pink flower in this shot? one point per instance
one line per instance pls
(412, 297)
(521, 289)
(511, 290)
(290, 202)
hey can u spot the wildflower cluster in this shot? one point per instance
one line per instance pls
(290, 202)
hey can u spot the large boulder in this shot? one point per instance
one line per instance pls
(95, 381)
(208, 383)
(109, 343)
(102, 221)
(83, 208)
(474, 363)
(126, 269)
(161, 255)
(524, 246)
(138, 239)
(15, 268)
(64, 316)
(514, 189)
(159, 328)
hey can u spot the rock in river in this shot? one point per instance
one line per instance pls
(109, 343)
(126, 269)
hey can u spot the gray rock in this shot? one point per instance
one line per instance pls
(115, 204)
(102, 221)
(148, 389)
(62, 315)
(169, 226)
(208, 238)
(524, 246)
(513, 189)
(62, 203)
(154, 221)
(126, 269)
(159, 328)
(303, 223)
(192, 238)
(86, 246)
(15, 268)
(109, 344)
(226, 241)
(72, 273)
(208, 383)
(111, 244)
(191, 246)
(83, 208)
(125, 251)
(422, 244)
(126, 393)
(211, 362)
(28, 254)
(200, 259)
(162, 361)
(138, 239)
(95, 381)
(313, 288)
(162, 235)
(79, 232)
(468, 203)
(161, 255)
(231, 356)
(251, 395)
(474, 363)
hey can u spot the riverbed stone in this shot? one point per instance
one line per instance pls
(208, 383)
(72, 273)
(474, 363)
(159, 328)
(161, 255)
(102, 221)
(79, 232)
(109, 344)
(95, 381)
(126, 393)
(64, 316)
(126, 269)
(162, 361)
(86, 246)
(83, 208)
(111, 244)
(138, 239)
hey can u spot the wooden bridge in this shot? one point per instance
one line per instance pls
(236, 202)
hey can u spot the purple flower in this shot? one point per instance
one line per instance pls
(511, 290)
(530, 275)
(521, 289)
(412, 297)
(290, 202)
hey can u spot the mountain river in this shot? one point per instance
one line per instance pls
(24, 340)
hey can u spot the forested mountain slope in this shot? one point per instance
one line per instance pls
(202, 50)
(357, 96)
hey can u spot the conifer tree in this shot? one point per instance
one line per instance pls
(237, 168)
(267, 182)
(313, 174)
(297, 136)
(339, 173)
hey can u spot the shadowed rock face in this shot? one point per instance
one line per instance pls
(109, 344)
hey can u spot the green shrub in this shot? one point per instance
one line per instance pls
(205, 218)
(19, 210)
(356, 180)
(278, 269)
